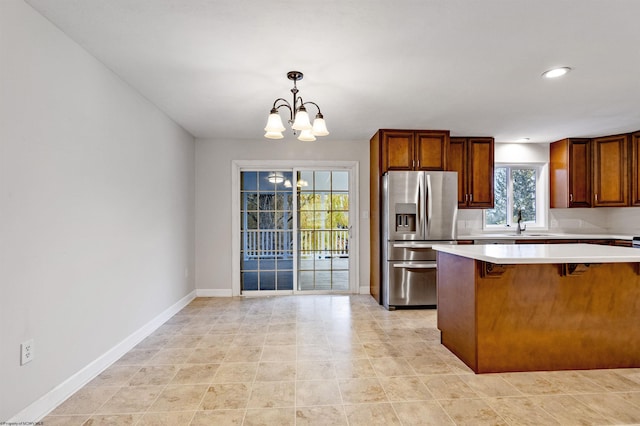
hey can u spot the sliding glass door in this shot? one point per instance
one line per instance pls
(323, 230)
(266, 258)
(295, 230)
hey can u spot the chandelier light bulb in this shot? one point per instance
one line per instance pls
(302, 120)
(306, 136)
(274, 122)
(319, 126)
(274, 135)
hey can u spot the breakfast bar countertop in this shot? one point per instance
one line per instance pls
(519, 254)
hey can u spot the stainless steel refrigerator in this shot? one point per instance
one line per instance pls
(419, 209)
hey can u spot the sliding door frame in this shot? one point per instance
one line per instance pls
(237, 166)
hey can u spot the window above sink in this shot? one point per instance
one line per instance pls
(518, 187)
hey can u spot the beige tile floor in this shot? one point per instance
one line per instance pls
(329, 360)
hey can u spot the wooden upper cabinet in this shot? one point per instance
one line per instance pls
(457, 162)
(431, 150)
(413, 149)
(480, 172)
(570, 173)
(473, 159)
(611, 171)
(397, 151)
(635, 164)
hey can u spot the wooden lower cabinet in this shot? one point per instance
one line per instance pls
(532, 317)
(563, 241)
(622, 243)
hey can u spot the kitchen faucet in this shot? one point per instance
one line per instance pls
(521, 227)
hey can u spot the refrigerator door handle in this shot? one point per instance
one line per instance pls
(429, 207)
(411, 245)
(415, 265)
(421, 197)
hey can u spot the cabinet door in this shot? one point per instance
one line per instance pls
(559, 174)
(457, 162)
(397, 151)
(610, 171)
(480, 172)
(431, 150)
(635, 164)
(579, 173)
(570, 173)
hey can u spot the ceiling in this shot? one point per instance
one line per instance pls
(473, 67)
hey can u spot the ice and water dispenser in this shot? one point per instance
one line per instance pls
(406, 217)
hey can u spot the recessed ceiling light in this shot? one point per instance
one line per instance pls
(523, 140)
(556, 72)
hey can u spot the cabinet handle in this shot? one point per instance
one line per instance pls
(418, 163)
(466, 197)
(471, 198)
(571, 198)
(413, 164)
(596, 198)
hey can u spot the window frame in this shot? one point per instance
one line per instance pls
(542, 204)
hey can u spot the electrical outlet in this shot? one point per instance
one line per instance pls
(26, 352)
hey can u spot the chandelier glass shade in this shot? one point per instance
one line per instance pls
(298, 116)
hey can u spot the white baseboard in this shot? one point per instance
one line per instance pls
(214, 292)
(267, 293)
(43, 406)
(364, 289)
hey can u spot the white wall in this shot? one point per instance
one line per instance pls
(213, 196)
(96, 208)
(521, 153)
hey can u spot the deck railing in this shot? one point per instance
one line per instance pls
(278, 244)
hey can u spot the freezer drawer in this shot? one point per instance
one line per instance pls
(409, 284)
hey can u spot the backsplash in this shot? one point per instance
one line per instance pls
(621, 220)
(469, 221)
(625, 221)
(617, 220)
(582, 221)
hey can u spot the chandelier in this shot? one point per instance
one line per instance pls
(298, 116)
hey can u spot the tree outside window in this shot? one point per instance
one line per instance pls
(515, 189)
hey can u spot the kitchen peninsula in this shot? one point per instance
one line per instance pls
(537, 307)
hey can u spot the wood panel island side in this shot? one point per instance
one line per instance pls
(538, 307)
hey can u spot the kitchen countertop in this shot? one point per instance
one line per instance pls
(542, 235)
(514, 254)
